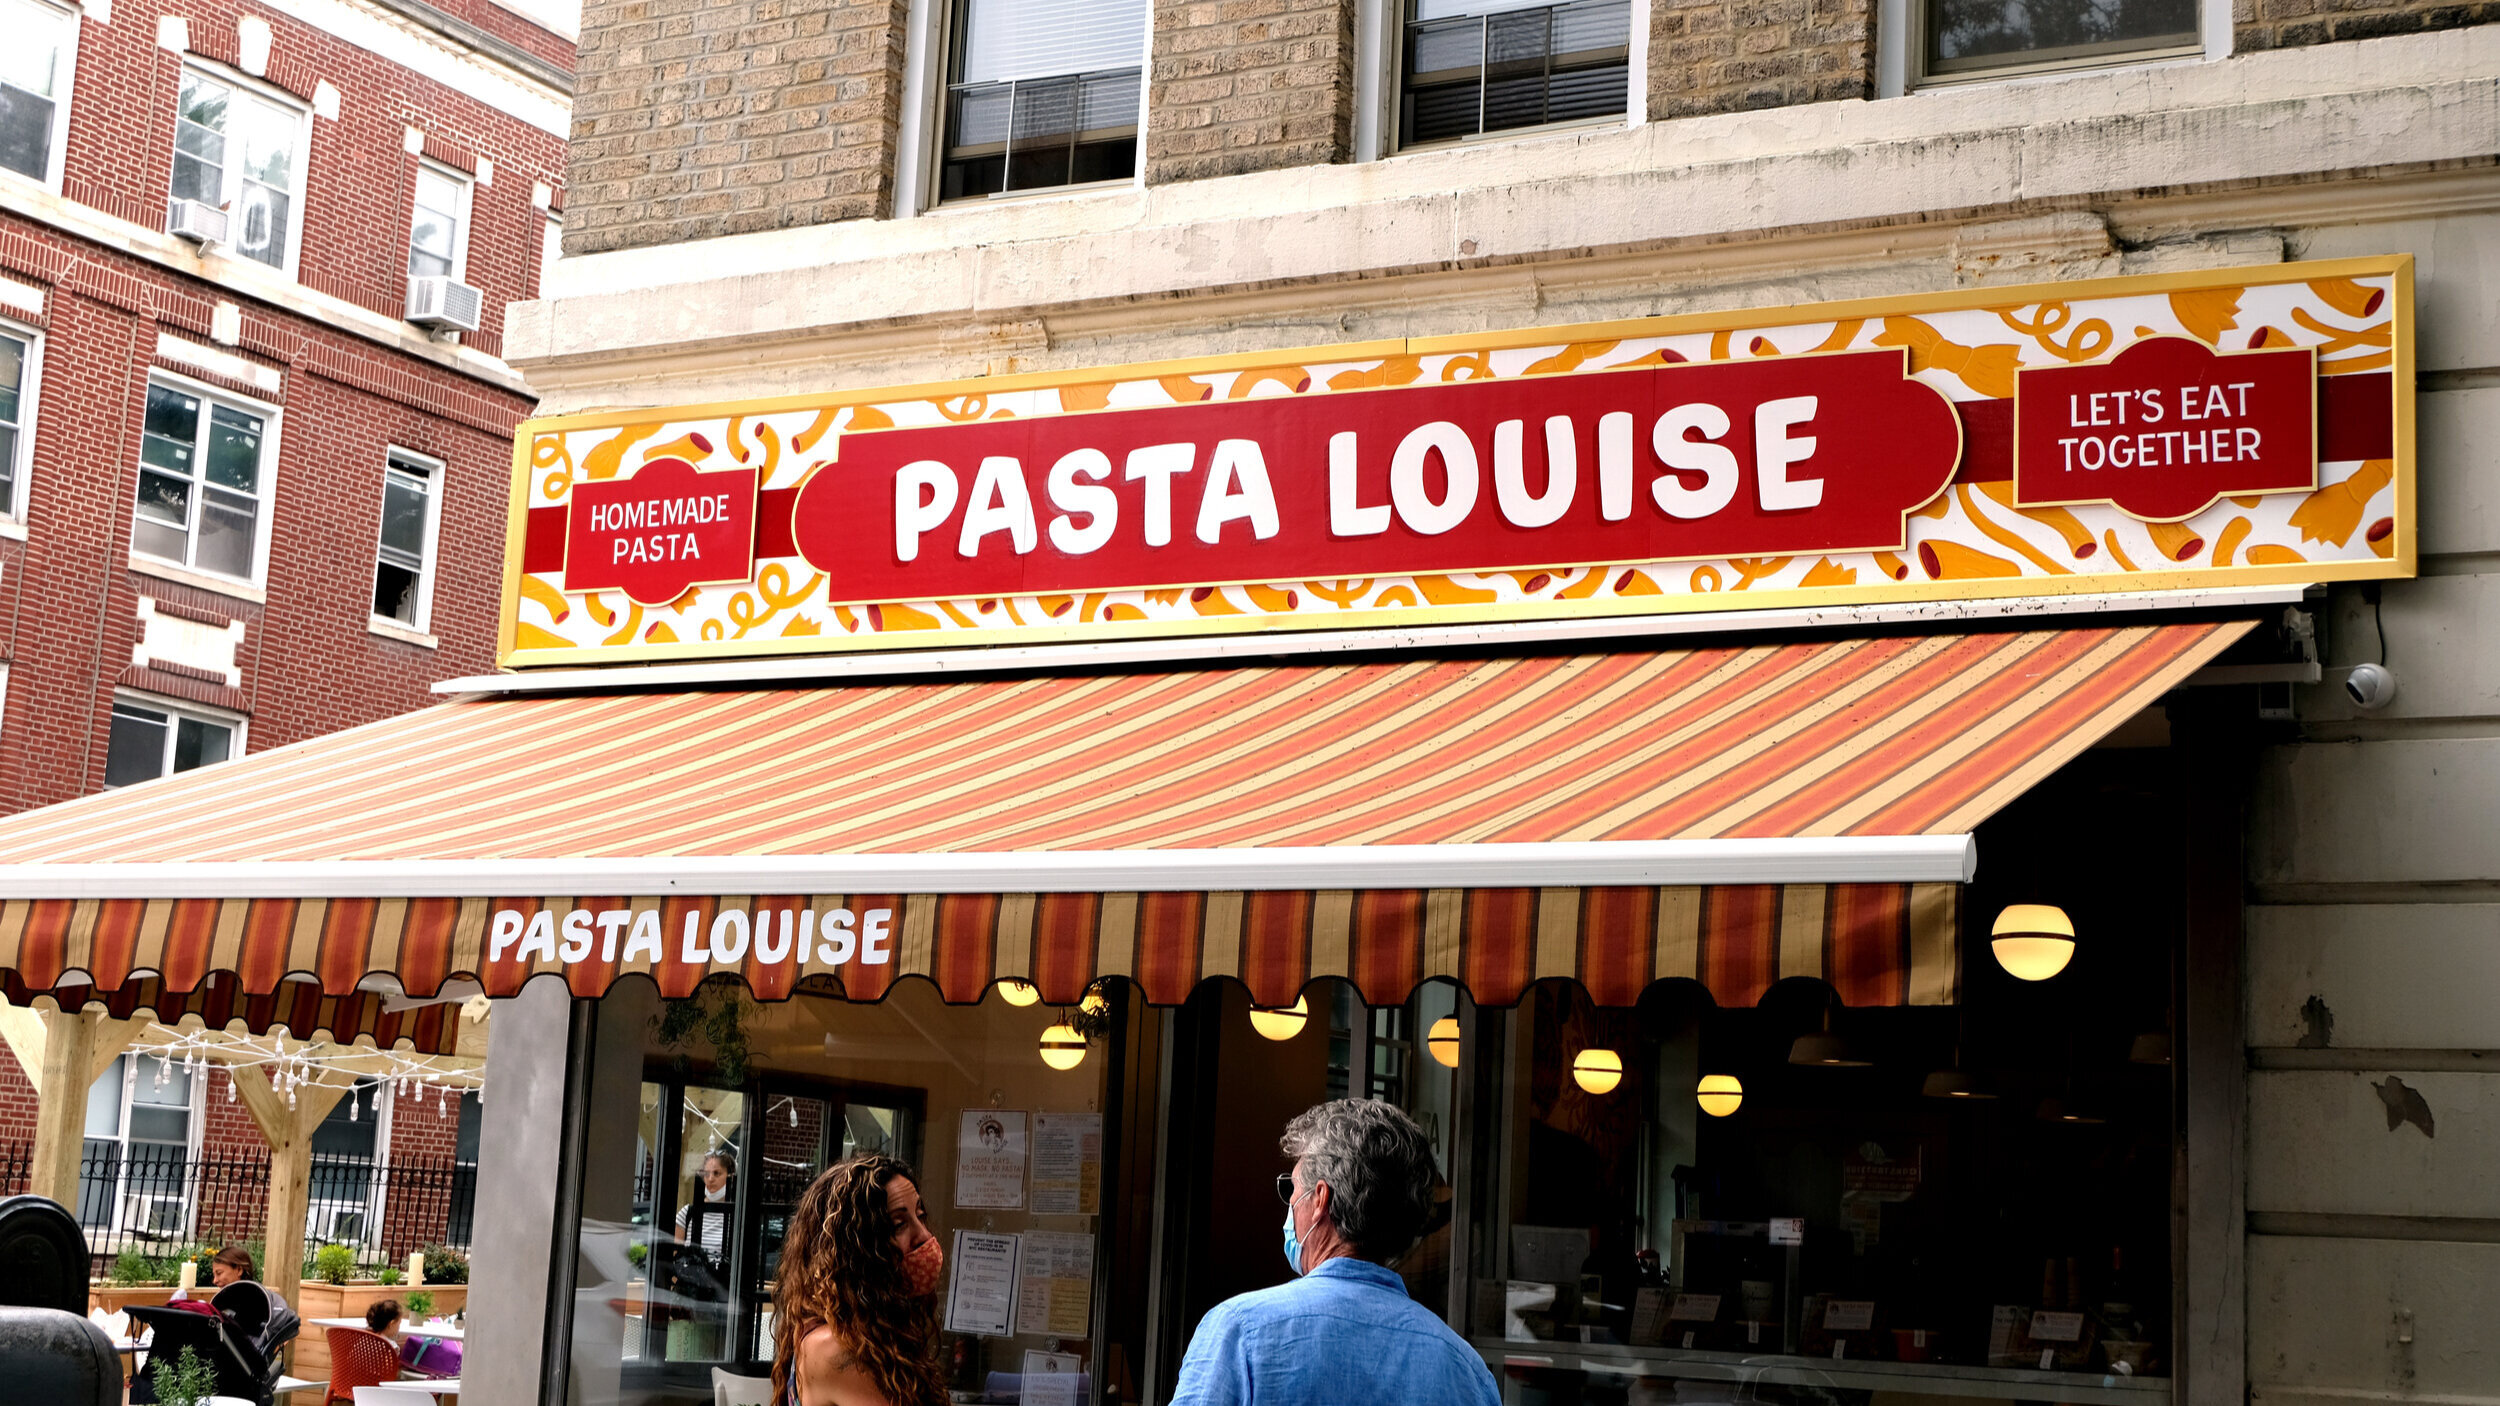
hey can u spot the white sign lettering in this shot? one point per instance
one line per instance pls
(773, 936)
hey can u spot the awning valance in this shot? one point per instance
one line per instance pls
(1581, 797)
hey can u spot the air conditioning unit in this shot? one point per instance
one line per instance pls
(157, 1216)
(193, 221)
(443, 303)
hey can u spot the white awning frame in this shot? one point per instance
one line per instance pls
(1596, 864)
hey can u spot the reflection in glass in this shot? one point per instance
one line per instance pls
(1974, 34)
(1500, 67)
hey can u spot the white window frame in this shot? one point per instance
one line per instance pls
(194, 1128)
(430, 559)
(272, 422)
(29, 403)
(376, 1205)
(920, 146)
(1391, 68)
(467, 185)
(179, 708)
(67, 86)
(232, 169)
(1901, 47)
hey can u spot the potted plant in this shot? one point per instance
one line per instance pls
(135, 1279)
(185, 1381)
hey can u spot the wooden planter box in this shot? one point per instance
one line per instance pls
(318, 1300)
(117, 1298)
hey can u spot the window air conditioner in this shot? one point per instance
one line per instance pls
(193, 221)
(443, 303)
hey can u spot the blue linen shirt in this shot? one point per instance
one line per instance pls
(1345, 1334)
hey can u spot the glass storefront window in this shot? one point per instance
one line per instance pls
(1856, 1224)
(677, 1269)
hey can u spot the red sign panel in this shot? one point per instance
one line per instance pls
(2166, 428)
(1756, 458)
(667, 528)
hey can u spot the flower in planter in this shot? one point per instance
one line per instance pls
(390, 1275)
(420, 1306)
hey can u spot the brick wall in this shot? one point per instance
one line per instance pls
(696, 118)
(309, 663)
(2284, 24)
(1248, 85)
(1740, 55)
(359, 183)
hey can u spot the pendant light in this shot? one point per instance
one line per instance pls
(1953, 1083)
(1597, 1071)
(1282, 1022)
(1823, 1047)
(1719, 1094)
(2033, 941)
(1442, 1041)
(1062, 1047)
(1019, 993)
(2056, 1110)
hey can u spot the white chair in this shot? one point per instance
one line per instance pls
(730, 1389)
(392, 1396)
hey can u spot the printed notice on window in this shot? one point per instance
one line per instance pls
(1055, 1296)
(1054, 1379)
(989, 1161)
(983, 1299)
(1067, 1164)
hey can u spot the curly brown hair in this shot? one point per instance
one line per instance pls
(839, 1267)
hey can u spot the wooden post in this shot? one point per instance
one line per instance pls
(289, 1130)
(64, 1053)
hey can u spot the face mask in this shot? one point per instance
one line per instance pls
(924, 1266)
(1293, 1242)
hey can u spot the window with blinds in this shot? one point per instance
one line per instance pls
(1042, 93)
(1987, 36)
(1497, 67)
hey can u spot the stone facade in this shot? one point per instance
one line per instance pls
(1742, 55)
(2283, 24)
(1248, 85)
(694, 119)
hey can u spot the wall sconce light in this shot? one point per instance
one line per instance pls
(1019, 993)
(1062, 1047)
(1442, 1041)
(1283, 1022)
(1719, 1094)
(2033, 941)
(1597, 1071)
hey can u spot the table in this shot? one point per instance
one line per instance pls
(290, 1385)
(444, 1331)
(449, 1386)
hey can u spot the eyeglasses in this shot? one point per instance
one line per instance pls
(1284, 1187)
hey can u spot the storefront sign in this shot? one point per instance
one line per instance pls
(2250, 426)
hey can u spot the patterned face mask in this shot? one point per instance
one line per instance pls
(924, 1266)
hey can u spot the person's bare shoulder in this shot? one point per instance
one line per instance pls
(830, 1374)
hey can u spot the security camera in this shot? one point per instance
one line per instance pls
(2371, 686)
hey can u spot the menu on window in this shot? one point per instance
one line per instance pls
(1054, 1379)
(1067, 1164)
(1055, 1290)
(983, 1298)
(989, 1161)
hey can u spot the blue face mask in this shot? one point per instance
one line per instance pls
(1293, 1242)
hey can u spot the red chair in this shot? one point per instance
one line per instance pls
(358, 1358)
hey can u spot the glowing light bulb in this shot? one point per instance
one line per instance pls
(1282, 1023)
(1442, 1041)
(1062, 1047)
(1719, 1094)
(2033, 941)
(1597, 1071)
(1019, 993)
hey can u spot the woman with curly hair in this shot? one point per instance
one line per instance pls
(855, 1311)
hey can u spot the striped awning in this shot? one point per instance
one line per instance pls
(218, 1000)
(1492, 821)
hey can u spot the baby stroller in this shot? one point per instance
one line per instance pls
(242, 1343)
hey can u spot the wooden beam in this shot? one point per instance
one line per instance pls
(76, 1048)
(289, 1129)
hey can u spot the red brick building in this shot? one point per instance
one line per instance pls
(254, 421)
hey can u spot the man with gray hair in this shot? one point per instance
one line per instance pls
(1343, 1330)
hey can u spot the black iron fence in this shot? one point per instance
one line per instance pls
(153, 1201)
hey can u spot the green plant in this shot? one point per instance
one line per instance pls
(334, 1263)
(390, 1275)
(444, 1265)
(420, 1306)
(637, 1253)
(721, 1025)
(185, 1381)
(131, 1267)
